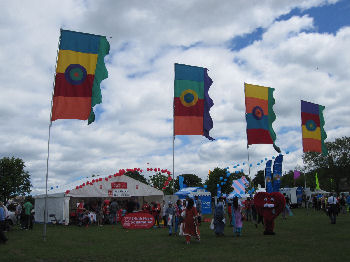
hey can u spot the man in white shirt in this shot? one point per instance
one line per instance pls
(332, 208)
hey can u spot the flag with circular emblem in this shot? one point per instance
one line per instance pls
(191, 101)
(259, 103)
(312, 123)
(79, 72)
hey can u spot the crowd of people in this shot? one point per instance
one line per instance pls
(23, 216)
(331, 204)
(181, 218)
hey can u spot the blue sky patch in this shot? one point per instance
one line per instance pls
(327, 19)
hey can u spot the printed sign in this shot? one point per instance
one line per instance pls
(118, 185)
(121, 193)
(138, 221)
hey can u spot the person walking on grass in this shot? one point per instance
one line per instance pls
(237, 219)
(219, 218)
(170, 214)
(190, 224)
(164, 207)
(178, 217)
(3, 238)
(28, 206)
(199, 209)
(348, 201)
(342, 203)
(332, 208)
(113, 209)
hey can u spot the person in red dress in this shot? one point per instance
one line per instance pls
(190, 224)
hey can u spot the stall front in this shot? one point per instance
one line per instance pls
(63, 200)
(203, 195)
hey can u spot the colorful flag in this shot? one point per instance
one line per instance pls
(317, 183)
(268, 177)
(296, 174)
(312, 122)
(259, 114)
(79, 72)
(191, 101)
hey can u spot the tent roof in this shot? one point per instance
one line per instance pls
(104, 188)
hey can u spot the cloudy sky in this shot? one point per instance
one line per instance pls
(298, 47)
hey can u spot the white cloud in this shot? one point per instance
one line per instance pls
(148, 37)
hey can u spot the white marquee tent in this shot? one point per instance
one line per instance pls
(119, 187)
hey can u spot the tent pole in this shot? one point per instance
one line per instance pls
(48, 143)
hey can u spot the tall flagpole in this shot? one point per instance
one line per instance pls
(48, 143)
(248, 165)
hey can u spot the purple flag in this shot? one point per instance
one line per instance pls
(296, 174)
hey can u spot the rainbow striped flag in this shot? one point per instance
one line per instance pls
(79, 72)
(259, 114)
(239, 186)
(312, 122)
(191, 101)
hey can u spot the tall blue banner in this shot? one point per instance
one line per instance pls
(181, 182)
(268, 177)
(277, 173)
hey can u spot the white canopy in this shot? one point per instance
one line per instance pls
(119, 186)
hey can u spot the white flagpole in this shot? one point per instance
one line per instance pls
(48, 145)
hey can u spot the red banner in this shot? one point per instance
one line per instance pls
(138, 221)
(119, 185)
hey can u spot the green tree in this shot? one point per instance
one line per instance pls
(190, 180)
(14, 181)
(159, 181)
(137, 176)
(259, 179)
(332, 169)
(214, 179)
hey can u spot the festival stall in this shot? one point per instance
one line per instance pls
(203, 194)
(61, 201)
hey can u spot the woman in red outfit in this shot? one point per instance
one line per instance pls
(190, 224)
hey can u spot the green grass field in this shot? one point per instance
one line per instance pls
(302, 237)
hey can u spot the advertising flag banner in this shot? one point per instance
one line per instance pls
(268, 177)
(79, 72)
(259, 103)
(191, 101)
(312, 123)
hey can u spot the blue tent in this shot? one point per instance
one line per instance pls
(203, 194)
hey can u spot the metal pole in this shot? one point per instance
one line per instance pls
(173, 164)
(48, 143)
(248, 161)
(47, 176)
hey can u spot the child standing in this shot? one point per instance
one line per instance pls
(236, 218)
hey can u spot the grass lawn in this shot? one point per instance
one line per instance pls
(302, 237)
